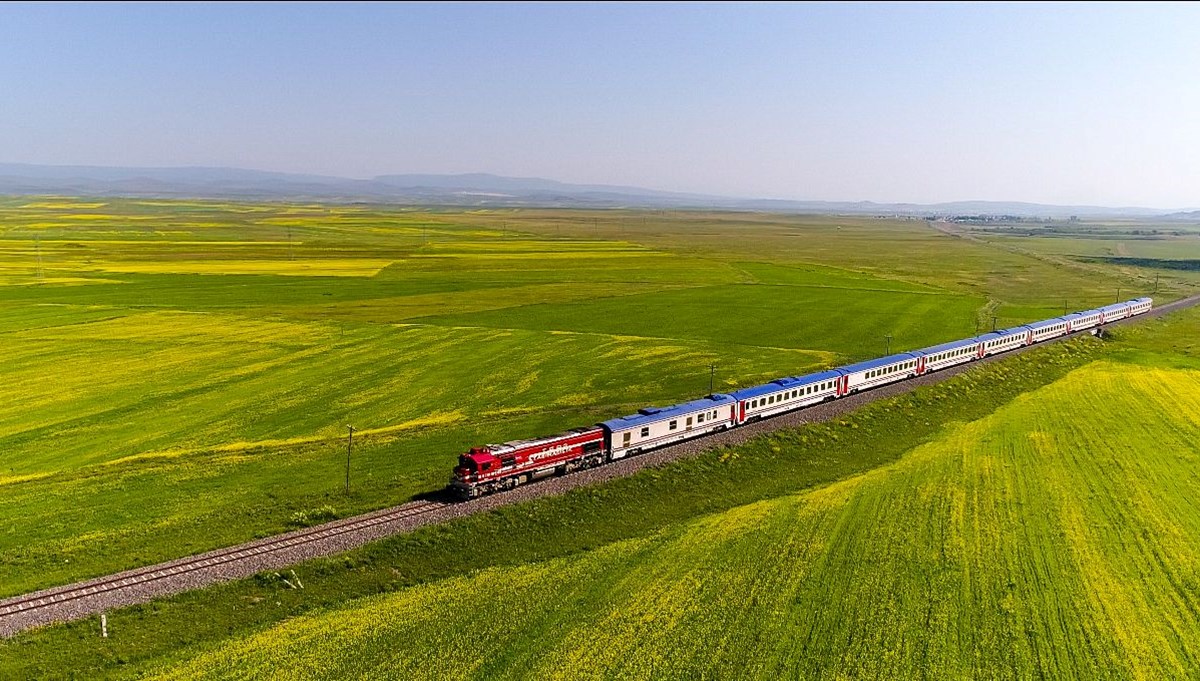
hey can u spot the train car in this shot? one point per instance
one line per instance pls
(659, 426)
(1080, 321)
(1047, 329)
(491, 468)
(948, 354)
(495, 467)
(1004, 340)
(785, 394)
(1112, 313)
(1140, 305)
(877, 372)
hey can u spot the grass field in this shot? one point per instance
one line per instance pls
(994, 447)
(179, 375)
(1028, 543)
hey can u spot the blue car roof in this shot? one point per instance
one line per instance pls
(952, 345)
(1146, 299)
(1046, 322)
(1002, 333)
(783, 384)
(653, 414)
(876, 363)
(1114, 307)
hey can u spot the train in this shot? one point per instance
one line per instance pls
(493, 468)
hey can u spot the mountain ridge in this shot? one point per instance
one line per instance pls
(478, 189)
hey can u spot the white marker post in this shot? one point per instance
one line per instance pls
(104, 625)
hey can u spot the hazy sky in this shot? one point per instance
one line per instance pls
(1095, 104)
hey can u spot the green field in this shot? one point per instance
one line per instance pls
(1028, 543)
(179, 376)
(971, 491)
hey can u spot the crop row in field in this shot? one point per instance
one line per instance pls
(1032, 542)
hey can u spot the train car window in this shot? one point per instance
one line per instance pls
(673, 425)
(627, 436)
(689, 422)
(646, 431)
(700, 418)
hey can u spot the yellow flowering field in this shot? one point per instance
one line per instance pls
(1056, 537)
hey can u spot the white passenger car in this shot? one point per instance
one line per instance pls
(659, 426)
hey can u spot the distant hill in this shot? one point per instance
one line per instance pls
(1184, 216)
(472, 189)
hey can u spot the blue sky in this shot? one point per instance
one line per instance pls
(1057, 103)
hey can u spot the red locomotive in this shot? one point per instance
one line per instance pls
(492, 468)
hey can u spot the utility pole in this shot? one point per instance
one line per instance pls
(1118, 295)
(712, 371)
(889, 344)
(349, 446)
(1064, 308)
(1156, 283)
(993, 323)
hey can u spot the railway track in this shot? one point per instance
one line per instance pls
(24, 609)
(139, 585)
